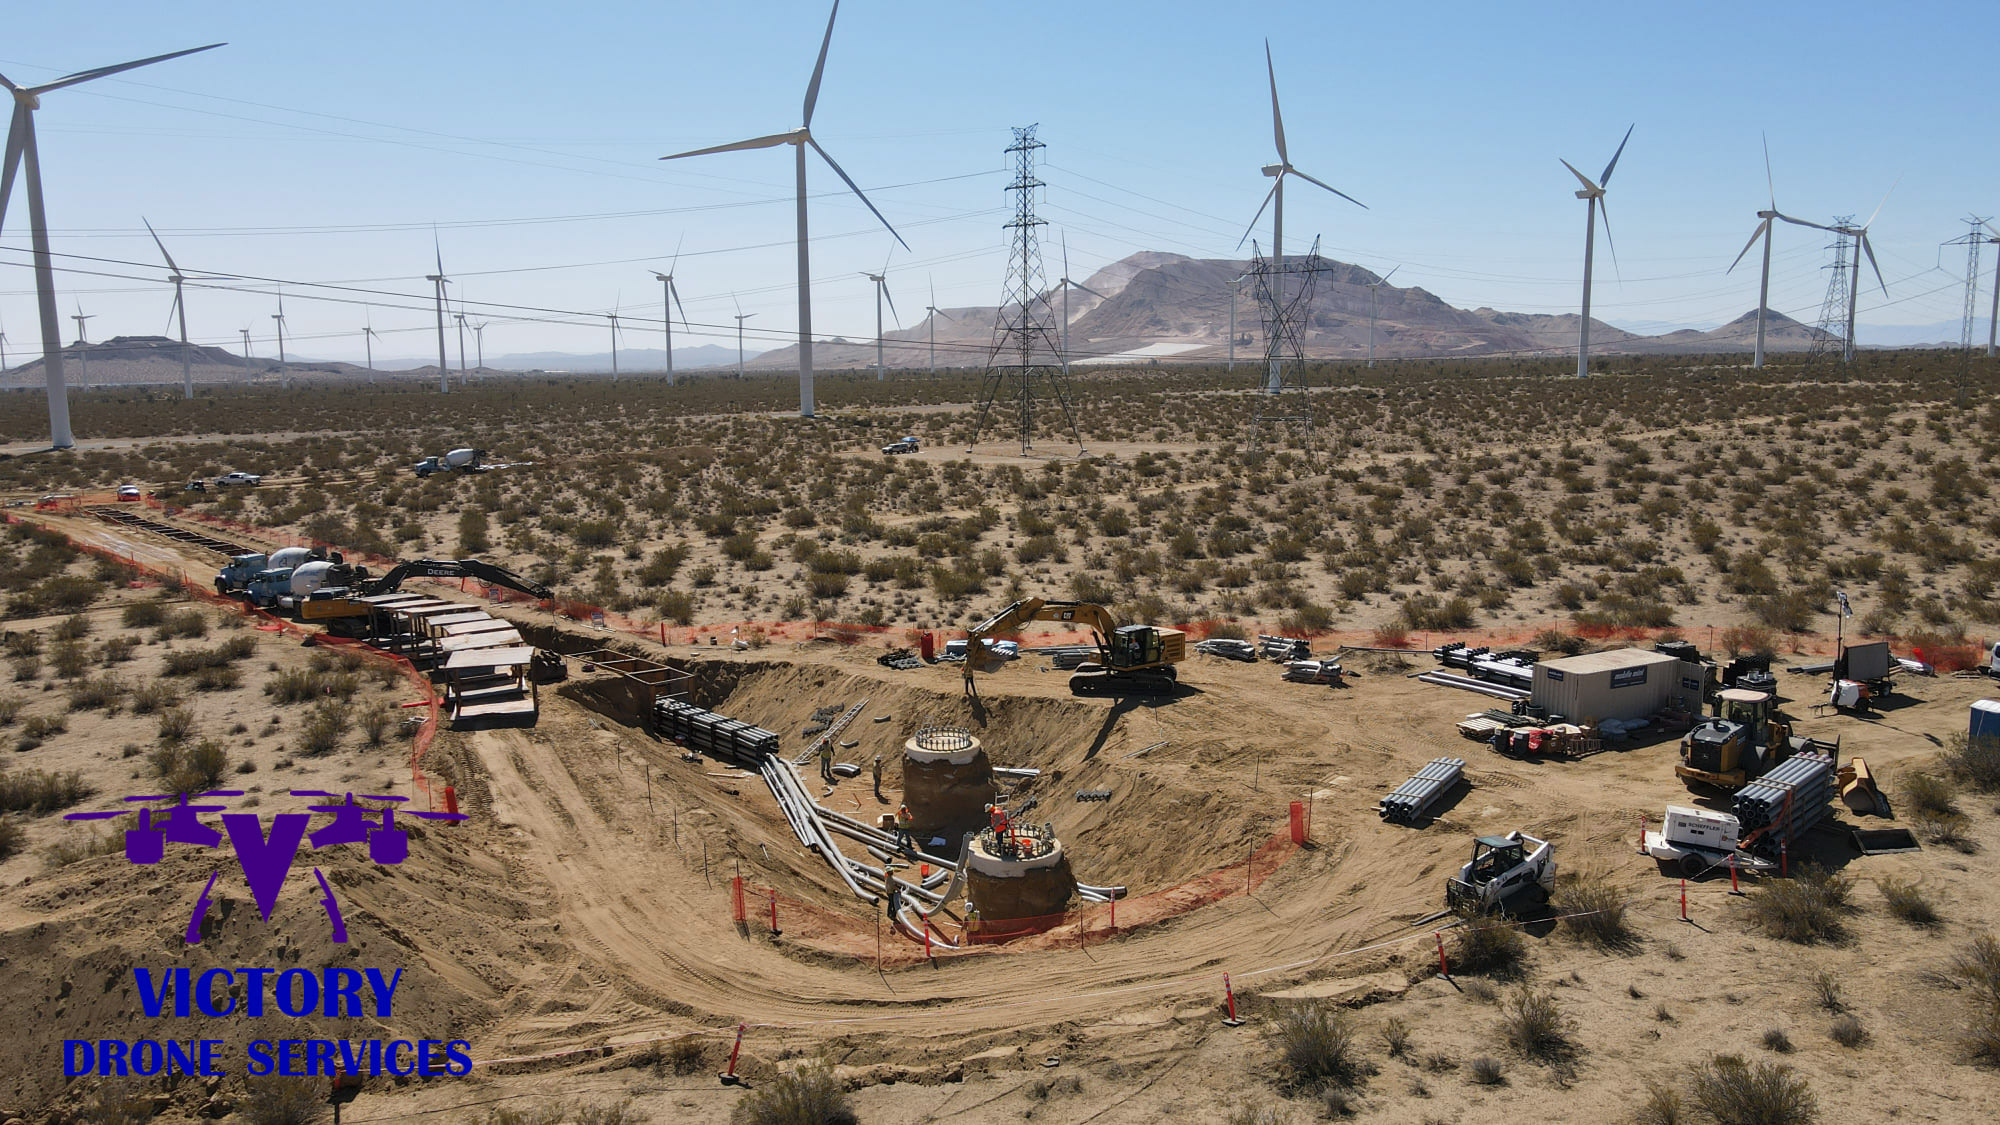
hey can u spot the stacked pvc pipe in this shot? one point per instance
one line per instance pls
(711, 733)
(1786, 802)
(1408, 801)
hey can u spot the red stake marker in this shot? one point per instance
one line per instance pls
(774, 913)
(1444, 969)
(1229, 995)
(729, 1076)
(1684, 900)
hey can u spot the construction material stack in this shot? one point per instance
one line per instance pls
(1410, 800)
(1778, 808)
(714, 734)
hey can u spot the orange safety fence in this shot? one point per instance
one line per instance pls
(839, 932)
(268, 622)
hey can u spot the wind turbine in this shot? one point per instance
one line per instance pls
(742, 316)
(245, 332)
(21, 152)
(1763, 231)
(82, 345)
(459, 316)
(1278, 172)
(881, 281)
(1235, 288)
(368, 341)
(284, 375)
(933, 319)
(1374, 296)
(670, 295)
(1066, 285)
(1992, 318)
(1593, 194)
(800, 138)
(179, 306)
(613, 314)
(479, 342)
(439, 280)
(1861, 246)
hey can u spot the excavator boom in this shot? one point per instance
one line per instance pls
(1133, 659)
(456, 568)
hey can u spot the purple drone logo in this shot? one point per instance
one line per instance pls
(266, 857)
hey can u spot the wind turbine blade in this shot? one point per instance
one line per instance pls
(1260, 214)
(1089, 290)
(1884, 203)
(675, 290)
(17, 136)
(1579, 175)
(852, 186)
(1277, 118)
(1804, 223)
(819, 68)
(1604, 212)
(944, 314)
(1982, 222)
(1763, 229)
(892, 304)
(1387, 276)
(1870, 251)
(161, 245)
(7, 82)
(772, 141)
(1065, 238)
(104, 71)
(677, 255)
(1605, 179)
(438, 249)
(171, 310)
(1329, 187)
(1768, 182)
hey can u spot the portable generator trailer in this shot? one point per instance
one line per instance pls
(1697, 841)
(1501, 869)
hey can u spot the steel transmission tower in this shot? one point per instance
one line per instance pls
(1284, 302)
(1832, 324)
(1972, 239)
(1026, 347)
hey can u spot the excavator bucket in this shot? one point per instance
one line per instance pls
(1858, 790)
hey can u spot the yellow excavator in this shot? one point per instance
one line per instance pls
(1131, 659)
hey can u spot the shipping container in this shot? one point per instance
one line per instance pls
(1621, 684)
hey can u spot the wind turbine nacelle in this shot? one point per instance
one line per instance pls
(1274, 170)
(1588, 194)
(28, 98)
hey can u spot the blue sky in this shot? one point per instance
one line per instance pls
(323, 141)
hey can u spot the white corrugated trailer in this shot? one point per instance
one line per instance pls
(1626, 683)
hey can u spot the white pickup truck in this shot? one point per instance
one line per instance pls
(902, 445)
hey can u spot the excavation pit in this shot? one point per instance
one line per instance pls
(1023, 875)
(947, 783)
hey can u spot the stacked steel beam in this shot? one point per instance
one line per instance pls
(711, 733)
(1786, 802)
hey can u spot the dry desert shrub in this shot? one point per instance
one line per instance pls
(1486, 1071)
(37, 791)
(12, 838)
(282, 1100)
(1734, 1092)
(1317, 1046)
(1535, 1026)
(1908, 902)
(1594, 910)
(809, 1095)
(1808, 908)
(1974, 762)
(1486, 945)
(1848, 1032)
(1663, 1106)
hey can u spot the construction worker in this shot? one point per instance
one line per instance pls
(878, 779)
(895, 899)
(826, 761)
(905, 828)
(1003, 833)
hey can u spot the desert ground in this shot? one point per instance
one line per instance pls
(577, 928)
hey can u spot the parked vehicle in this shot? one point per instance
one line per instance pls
(905, 444)
(228, 479)
(129, 492)
(454, 461)
(1502, 868)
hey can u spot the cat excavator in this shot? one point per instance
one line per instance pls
(1131, 659)
(341, 601)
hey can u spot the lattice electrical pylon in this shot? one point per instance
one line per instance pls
(1972, 240)
(1026, 347)
(1284, 302)
(1832, 326)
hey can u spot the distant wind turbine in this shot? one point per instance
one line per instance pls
(1278, 172)
(368, 341)
(284, 373)
(933, 319)
(800, 138)
(175, 276)
(1861, 246)
(670, 296)
(21, 152)
(1374, 293)
(82, 345)
(459, 317)
(881, 281)
(1763, 231)
(439, 280)
(245, 332)
(479, 342)
(741, 316)
(614, 341)
(1593, 194)
(1066, 285)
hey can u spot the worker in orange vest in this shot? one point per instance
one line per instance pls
(905, 827)
(1003, 832)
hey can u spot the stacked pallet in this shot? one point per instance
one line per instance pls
(711, 733)
(1407, 801)
(1785, 803)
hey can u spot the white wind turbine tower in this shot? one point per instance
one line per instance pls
(1764, 228)
(1861, 246)
(800, 139)
(741, 316)
(479, 343)
(1066, 285)
(180, 306)
(439, 280)
(881, 281)
(82, 345)
(459, 316)
(284, 373)
(1374, 299)
(245, 333)
(931, 308)
(21, 153)
(1593, 193)
(670, 296)
(1235, 288)
(613, 314)
(1278, 172)
(368, 342)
